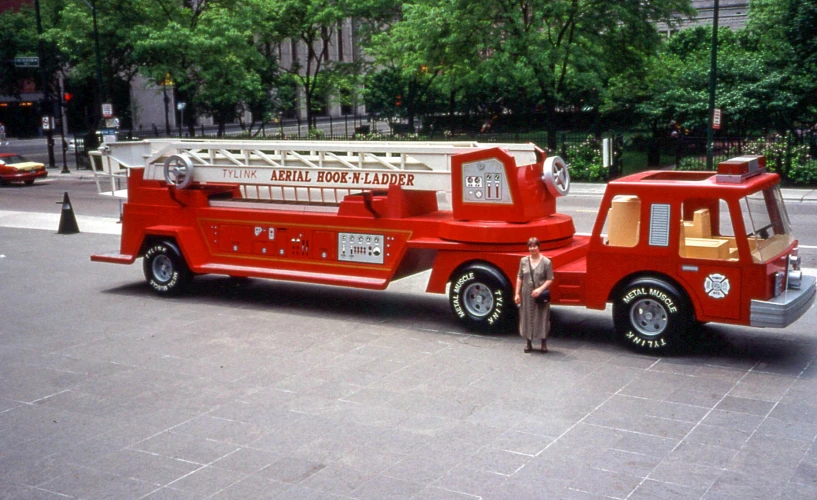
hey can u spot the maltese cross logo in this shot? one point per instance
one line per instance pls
(716, 286)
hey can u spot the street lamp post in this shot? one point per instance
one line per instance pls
(47, 105)
(99, 96)
(167, 82)
(167, 110)
(713, 74)
(97, 112)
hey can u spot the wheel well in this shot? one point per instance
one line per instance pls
(623, 282)
(484, 266)
(153, 239)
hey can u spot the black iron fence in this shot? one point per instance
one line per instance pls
(791, 154)
(785, 153)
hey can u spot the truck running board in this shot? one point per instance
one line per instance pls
(113, 258)
(289, 275)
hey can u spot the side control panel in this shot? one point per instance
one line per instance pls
(484, 182)
(360, 247)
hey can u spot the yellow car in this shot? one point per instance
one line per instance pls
(16, 168)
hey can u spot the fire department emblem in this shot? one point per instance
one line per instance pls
(716, 286)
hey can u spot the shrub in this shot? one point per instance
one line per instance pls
(778, 150)
(804, 173)
(316, 134)
(584, 160)
(691, 163)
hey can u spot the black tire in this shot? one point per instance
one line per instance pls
(481, 298)
(651, 315)
(165, 269)
(29, 182)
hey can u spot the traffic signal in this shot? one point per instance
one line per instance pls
(67, 96)
(398, 100)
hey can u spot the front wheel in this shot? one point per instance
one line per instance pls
(165, 269)
(481, 298)
(650, 314)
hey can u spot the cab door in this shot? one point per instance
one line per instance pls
(709, 261)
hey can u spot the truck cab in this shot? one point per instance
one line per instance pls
(671, 248)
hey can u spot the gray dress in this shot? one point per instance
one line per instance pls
(534, 319)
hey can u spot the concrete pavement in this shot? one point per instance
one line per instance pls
(268, 389)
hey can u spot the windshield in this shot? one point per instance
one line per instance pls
(767, 224)
(11, 160)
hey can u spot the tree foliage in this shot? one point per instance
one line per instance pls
(18, 38)
(553, 52)
(761, 81)
(469, 59)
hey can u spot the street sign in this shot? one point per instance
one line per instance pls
(180, 105)
(107, 110)
(27, 62)
(716, 119)
(108, 135)
(46, 123)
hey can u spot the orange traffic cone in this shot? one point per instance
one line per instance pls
(68, 222)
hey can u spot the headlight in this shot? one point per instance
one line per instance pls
(795, 275)
(778, 283)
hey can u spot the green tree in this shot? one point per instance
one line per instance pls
(310, 26)
(571, 48)
(567, 49)
(72, 33)
(760, 83)
(431, 49)
(226, 73)
(18, 38)
(207, 49)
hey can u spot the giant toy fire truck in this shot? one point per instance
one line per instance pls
(668, 248)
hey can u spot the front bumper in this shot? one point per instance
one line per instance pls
(786, 308)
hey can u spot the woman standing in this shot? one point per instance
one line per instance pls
(534, 277)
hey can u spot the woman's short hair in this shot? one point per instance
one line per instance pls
(533, 242)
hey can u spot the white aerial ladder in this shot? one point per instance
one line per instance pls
(321, 172)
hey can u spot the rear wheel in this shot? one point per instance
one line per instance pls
(651, 315)
(29, 182)
(481, 298)
(165, 269)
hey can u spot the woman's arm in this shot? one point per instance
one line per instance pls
(517, 297)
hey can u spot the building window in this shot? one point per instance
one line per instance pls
(293, 47)
(325, 38)
(340, 43)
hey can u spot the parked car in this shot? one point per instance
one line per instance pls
(16, 168)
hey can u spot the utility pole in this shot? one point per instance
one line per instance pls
(99, 97)
(713, 75)
(47, 105)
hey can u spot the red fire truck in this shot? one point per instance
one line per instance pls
(668, 248)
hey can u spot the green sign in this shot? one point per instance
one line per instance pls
(27, 62)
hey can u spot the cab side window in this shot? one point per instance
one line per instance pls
(706, 231)
(623, 223)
